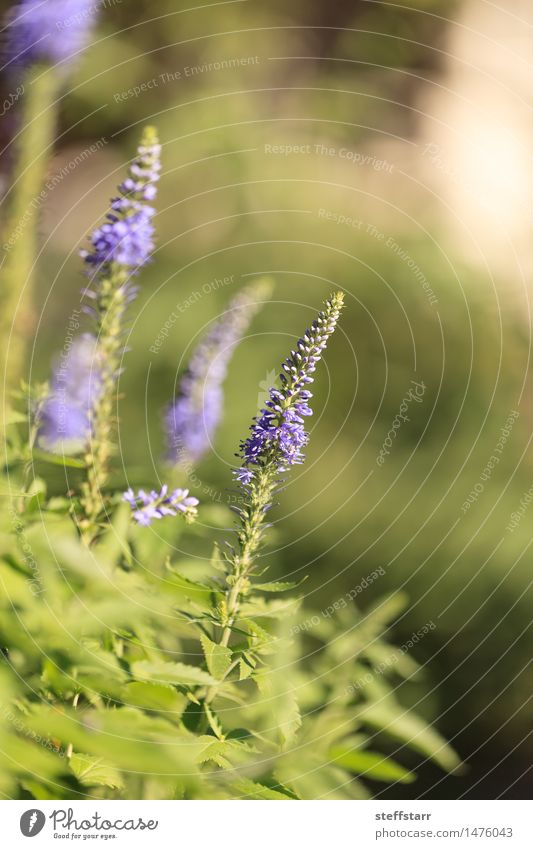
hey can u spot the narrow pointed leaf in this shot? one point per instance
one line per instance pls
(279, 586)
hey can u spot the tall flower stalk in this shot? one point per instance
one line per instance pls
(119, 249)
(275, 444)
(37, 36)
(193, 417)
(20, 231)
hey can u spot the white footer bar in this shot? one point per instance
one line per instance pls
(268, 825)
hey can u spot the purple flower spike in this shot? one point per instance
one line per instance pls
(64, 416)
(278, 436)
(192, 419)
(126, 240)
(49, 31)
(148, 506)
(120, 247)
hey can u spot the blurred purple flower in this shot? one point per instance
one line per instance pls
(148, 506)
(64, 416)
(192, 419)
(278, 435)
(48, 31)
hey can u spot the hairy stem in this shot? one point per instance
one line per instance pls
(249, 533)
(110, 308)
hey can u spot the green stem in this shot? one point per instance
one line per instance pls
(110, 288)
(20, 233)
(28, 475)
(232, 604)
(110, 307)
(250, 534)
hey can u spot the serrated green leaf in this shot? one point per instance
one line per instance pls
(227, 752)
(216, 752)
(92, 772)
(171, 673)
(288, 716)
(244, 670)
(252, 790)
(263, 682)
(219, 760)
(218, 658)
(281, 788)
(256, 631)
(371, 765)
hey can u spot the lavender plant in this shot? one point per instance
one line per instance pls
(119, 249)
(276, 442)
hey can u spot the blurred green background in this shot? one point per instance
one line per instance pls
(371, 106)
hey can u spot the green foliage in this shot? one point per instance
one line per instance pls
(95, 772)
(371, 764)
(115, 683)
